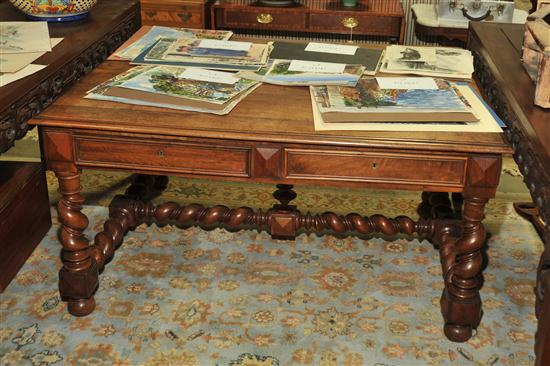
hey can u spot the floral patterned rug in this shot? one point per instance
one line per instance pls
(194, 297)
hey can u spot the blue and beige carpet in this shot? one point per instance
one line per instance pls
(192, 297)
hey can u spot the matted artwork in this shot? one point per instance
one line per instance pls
(21, 37)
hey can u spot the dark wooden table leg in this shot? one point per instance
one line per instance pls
(462, 261)
(78, 278)
(146, 187)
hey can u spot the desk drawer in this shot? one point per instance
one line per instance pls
(188, 15)
(374, 167)
(188, 158)
(371, 25)
(262, 19)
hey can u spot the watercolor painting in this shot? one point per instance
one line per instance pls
(167, 80)
(158, 32)
(367, 95)
(277, 72)
(9, 38)
(21, 37)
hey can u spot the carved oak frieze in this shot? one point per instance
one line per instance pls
(536, 176)
(532, 168)
(13, 119)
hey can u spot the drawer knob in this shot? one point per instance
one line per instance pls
(264, 18)
(185, 17)
(350, 22)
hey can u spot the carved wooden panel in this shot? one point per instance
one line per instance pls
(13, 119)
(535, 168)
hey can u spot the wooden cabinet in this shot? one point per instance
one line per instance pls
(370, 18)
(174, 13)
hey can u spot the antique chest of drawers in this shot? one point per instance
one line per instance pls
(383, 18)
(174, 13)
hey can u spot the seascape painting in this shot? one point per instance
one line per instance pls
(367, 95)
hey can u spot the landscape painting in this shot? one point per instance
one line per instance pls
(367, 95)
(21, 37)
(167, 80)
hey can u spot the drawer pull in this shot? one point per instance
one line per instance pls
(264, 18)
(151, 14)
(184, 17)
(350, 22)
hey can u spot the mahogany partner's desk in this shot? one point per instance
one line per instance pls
(268, 137)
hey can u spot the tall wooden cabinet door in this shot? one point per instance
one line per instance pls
(173, 13)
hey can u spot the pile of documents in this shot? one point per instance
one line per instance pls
(445, 62)
(350, 86)
(21, 43)
(401, 104)
(316, 64)
(195, 48)
(191, 89)
(384, 99)
(301, 73)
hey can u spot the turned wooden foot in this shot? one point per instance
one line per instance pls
(81, 307)
(78, 278)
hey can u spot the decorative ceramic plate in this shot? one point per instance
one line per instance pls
(55, 10)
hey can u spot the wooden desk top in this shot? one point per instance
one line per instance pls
(502, 43)
(270, 114)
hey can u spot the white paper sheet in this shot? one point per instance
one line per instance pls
(21, 37)
(316, 67)
(406, 83)
(10, 77)
(13, 62)
(225, 45)
(195, 73)
(331, 48)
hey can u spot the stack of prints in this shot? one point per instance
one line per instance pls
(443, 62)
(21, 43)
(302, 73)
(178, 71)
(190, 89)
(205, 53)
(147, 36)
(487, 122)
(426, 100)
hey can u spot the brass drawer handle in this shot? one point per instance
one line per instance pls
(350, 22)
(151, 14)
(264, 18)
(185, 16)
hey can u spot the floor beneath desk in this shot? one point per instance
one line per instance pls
(216, 297)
